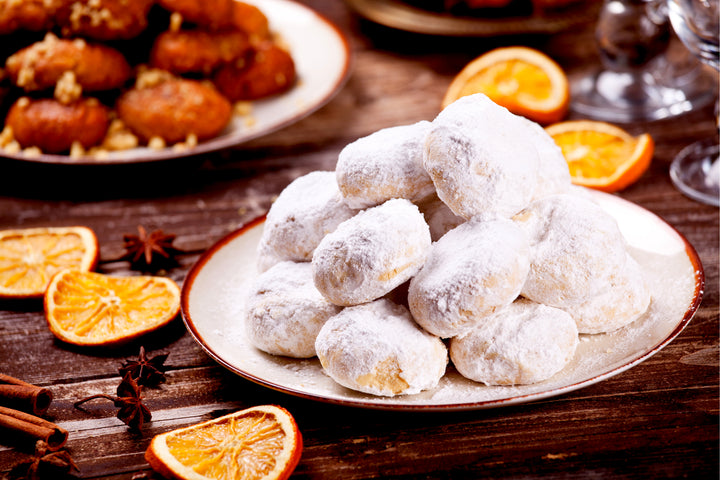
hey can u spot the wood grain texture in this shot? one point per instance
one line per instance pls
(656, 420)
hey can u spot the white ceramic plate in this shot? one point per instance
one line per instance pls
(322, 59)
(212, 306)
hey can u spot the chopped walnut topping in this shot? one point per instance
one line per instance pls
(151, 77)
(92, 12)
(99, 153)
(242, 108)
(6, 136)
(118, 137)
(32, 152)
(190, 142)
(79, 43)
(76, 150)
(12, 147)
(67, 90)
(176, 21)
(156, 143)
(26, 72)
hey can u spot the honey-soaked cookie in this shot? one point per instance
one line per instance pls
(53, 127)
(209, 14)
(95, 67)
(197, 51)
(173, 110)
(470, 272)
(523, 343)
(309, 208)
(383, 165)
(251, 20)
(575, 247)
(376, 348)
(370, 254)
(285, 312)
(268, 70)
(480, 160)
(103, 19)
(32, 15)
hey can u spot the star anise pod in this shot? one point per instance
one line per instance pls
(150, 251)
(145, 371)
(44, 464)
(131, 411)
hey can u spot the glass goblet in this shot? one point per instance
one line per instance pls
(695, 171)
(639, 80)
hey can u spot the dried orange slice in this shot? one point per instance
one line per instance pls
(91, 309)
(601, 155)
(29, 257)
(260, 442)
(524, 80)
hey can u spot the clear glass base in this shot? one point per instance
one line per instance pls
(647, 95)
(695, 171)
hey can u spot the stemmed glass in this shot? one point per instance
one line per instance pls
(696, 169)
(639, 79)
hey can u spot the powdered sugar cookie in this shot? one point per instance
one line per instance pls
(438, 216)
(553, 171)
(383, 165)
(480, 160)
(470, 272)
(285, 312)
(372, 253)
(624, 300)
(376, 348)
(523, 343)
(575, 248)
(304, 212)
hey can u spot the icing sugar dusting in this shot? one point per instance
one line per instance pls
(304, 212)
(370, 254)
(383, 165)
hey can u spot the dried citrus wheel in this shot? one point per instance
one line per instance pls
(91, 309)
(261, 442)
(30, 257)
(524, 80)
(600, 155)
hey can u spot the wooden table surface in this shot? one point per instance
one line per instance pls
(656, 420)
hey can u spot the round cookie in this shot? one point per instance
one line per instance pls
(383, 165)
(523, 343)
(370, 254)
(470, 272)
(305, 211)
(376, 348)
(285, 312)
(575, 248)
(625, 299)
(479, 159)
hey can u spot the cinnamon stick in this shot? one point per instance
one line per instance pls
(22, 427)
(16, 394)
